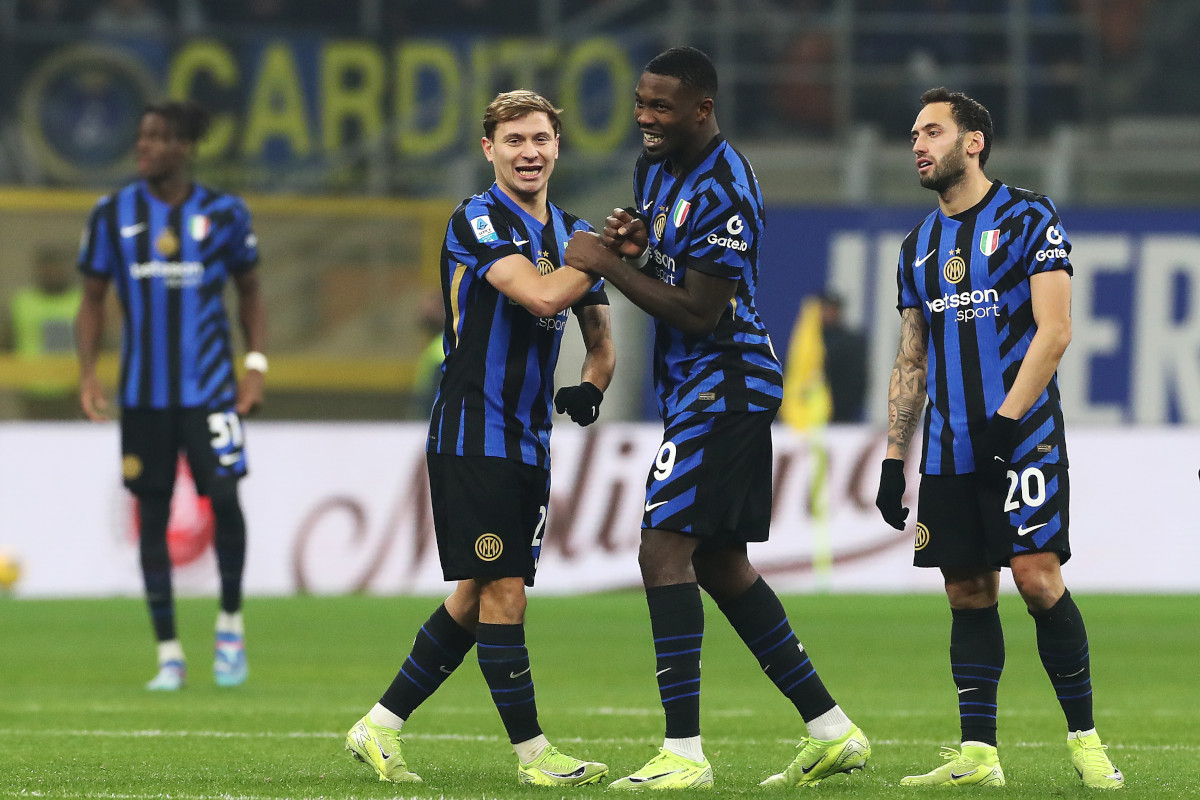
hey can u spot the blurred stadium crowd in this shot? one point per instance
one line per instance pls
(352, 127)
(814, 66)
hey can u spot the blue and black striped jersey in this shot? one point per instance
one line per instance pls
(969, 275)
(497, 378)
(711, 221)
(170, 265)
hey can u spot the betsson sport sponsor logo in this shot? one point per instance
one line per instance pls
(664, 266)
(966, 302)
(175, 273)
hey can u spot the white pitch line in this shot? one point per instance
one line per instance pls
(459, 737)
(174, 796)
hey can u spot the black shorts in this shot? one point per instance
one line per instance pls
(489, 515)
(712, 478)
(151, 440)
(963, 524)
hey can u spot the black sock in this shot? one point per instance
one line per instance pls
(154, 511)
(230, 543)
(677, 622)
(976, 661)
(1063, 645)
(504, 662)
(759, 618)
(439, 648)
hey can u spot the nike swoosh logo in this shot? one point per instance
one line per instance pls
(519, 674)
(383, 754)
(921, 261)
(954, 776)
(968, 689)
(636, 779)
(574, 774)
(651, 506)
(647, 205)
(519, 242)
(132, 230)
(443, 669)
(661, 671)
(998, 458)
(1021, 531)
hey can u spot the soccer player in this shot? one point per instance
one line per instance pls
(170, 244)
(985, 309)
(695, 232)
(507, 302)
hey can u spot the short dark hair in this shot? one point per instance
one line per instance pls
(188, 119)
(969, 115)
(692, 67)
(518, 103)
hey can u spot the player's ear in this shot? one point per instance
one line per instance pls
(486, 143)
(704, 109)
(975, 143)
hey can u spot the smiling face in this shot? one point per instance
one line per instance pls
(523, 152)
(942, 150)
(161, 154)
(673, 118)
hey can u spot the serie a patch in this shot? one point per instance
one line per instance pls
(483, 230)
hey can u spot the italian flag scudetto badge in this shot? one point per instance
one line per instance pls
(682, 207)
(989, 241)
(200, 227)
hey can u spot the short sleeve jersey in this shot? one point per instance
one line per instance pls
(170, 265)
(495, 393)
(969, 275)
(709, 220)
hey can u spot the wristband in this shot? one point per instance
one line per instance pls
(256, 361)
(640, 261)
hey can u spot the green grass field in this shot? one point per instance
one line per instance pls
(75, 721)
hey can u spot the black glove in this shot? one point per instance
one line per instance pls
(581, 403)
(994, 450)
(890, 497)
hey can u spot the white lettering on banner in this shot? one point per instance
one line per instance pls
(1092, 335)
(1163, 380)
(366, 525)
(1166, 362)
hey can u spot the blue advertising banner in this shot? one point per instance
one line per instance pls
(330, 106)
(1135, 350)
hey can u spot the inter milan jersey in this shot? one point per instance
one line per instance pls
(710, 220)
(498, 374)
(969, 275)
(170, 264)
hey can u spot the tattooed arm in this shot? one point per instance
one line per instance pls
(906, 390)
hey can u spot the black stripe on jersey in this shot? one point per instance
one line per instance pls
(456, 420)
(640, 171)
(937, 330)
(519, 344)
(174, 323)
(213, 324)
(144, 288)
(1020, 319)
(968, 335)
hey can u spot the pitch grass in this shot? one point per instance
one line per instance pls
(75, 721)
